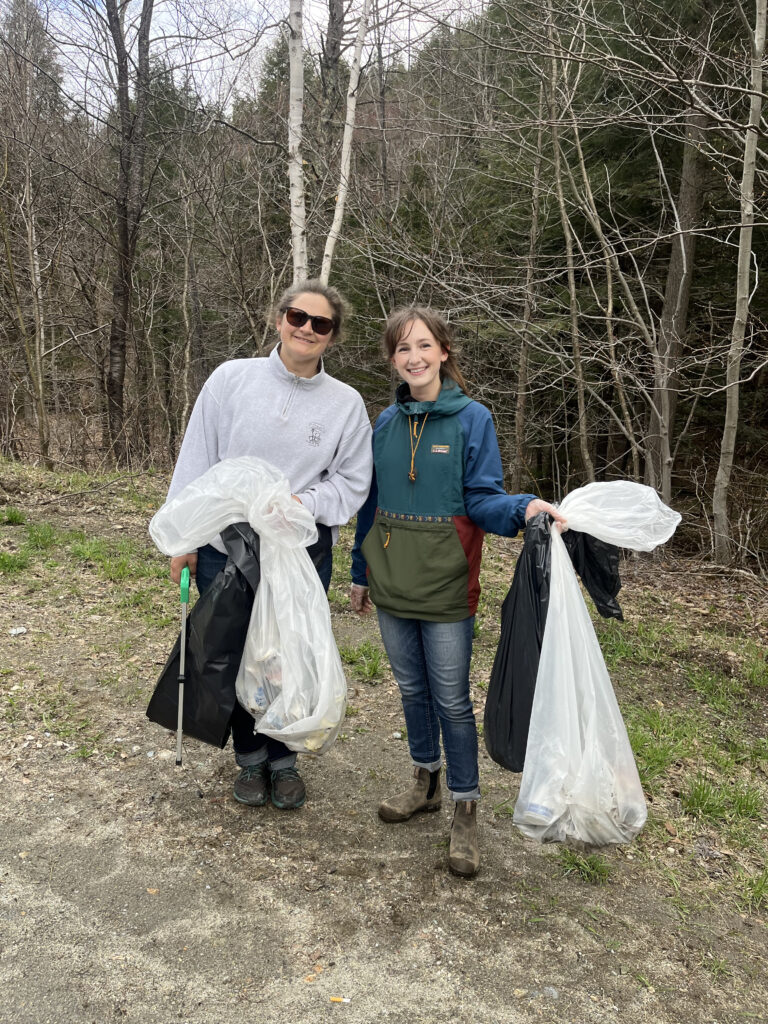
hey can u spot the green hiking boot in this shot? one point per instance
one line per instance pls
(424, 795)
(288, 789)
(464, 854)
(252, 785)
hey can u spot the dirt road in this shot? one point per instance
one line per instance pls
(135, 891)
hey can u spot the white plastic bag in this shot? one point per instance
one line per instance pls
(580, 780)
(290, 676)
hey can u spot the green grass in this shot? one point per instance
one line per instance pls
(366, 659)
(116, 561)
(705, 799)
(505, 808)
(639, 643)
(10, 516)
(752, 891)
(41, 536)
(590, 867)
(12, 563)
(755, 671)
(711, 801)
(721, 693)
(659, 739)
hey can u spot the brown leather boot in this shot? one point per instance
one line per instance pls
(464, 854)
(424, 795)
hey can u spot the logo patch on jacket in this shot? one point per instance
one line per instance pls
(440, 449)
(315, 435)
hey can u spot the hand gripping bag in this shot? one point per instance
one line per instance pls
(290, 676)
(580, 780)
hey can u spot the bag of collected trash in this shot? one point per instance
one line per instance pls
(523, 616)
(580, 780)
(290, 676)
(216, 631)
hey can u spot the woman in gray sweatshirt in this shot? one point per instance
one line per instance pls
(287, 410)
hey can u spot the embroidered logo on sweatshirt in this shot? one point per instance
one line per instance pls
(440, 449)
(315, 435)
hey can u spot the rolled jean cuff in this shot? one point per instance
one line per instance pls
(473, 794)
(283, 762)
(432, 767)
(251, 758)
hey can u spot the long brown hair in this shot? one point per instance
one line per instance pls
(314, 286)
(395, 328)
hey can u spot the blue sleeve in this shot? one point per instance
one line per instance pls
(365, 518)
(487, 503)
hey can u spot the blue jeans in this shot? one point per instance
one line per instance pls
(252, 747)
(430, 661)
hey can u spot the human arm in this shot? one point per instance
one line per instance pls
(200, 445)
(199, 451)
(487, 503)
(344, 483)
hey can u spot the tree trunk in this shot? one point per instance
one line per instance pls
(346, 146)
(674, 315)
(723, 542)
(528, 306)
(329, 73)
(295, 165)
(128, 205)
(574, 310)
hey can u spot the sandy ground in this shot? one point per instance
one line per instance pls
(132, 890)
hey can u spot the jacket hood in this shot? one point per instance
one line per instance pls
(450, 400)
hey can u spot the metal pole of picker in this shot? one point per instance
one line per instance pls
(182, 657)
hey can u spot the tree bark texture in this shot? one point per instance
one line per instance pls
(674, 315)
(129, 197)
(346, 145)
(295, 123)
(723, 539)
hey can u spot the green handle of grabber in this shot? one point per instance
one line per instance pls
(185, 585)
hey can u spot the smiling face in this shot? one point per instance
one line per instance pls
(417, 358)
(301, 349)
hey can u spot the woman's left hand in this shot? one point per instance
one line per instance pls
(359, 600)
(537, 505)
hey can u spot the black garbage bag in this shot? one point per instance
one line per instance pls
(523, 618)
(597, 563)
(216, 631)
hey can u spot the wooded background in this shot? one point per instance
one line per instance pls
(580, 185)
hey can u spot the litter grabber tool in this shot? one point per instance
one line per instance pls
(182, 656)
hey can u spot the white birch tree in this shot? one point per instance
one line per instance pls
(346, 145)
(295, 126)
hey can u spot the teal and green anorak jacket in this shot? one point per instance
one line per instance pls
(419, 542)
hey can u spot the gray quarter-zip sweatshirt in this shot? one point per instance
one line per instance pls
(314, 429)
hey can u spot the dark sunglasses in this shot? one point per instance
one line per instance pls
(297, 318)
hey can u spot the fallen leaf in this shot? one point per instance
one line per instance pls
(153, 892)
